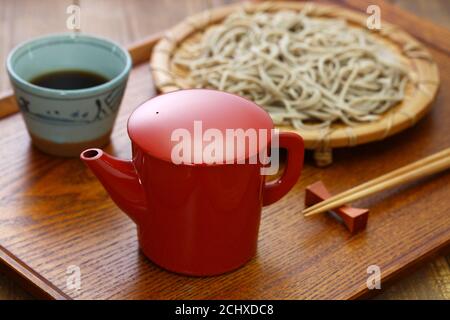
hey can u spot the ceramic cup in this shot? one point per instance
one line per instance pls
(65, 122)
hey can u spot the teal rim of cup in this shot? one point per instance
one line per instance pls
(76, 92)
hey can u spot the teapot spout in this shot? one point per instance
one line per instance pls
(120, 180)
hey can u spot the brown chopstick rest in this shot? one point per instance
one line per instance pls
(355, 219)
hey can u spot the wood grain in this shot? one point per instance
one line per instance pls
(423, 30)
(22, 20)
(40, 214)
(437, 11)
(79, 225)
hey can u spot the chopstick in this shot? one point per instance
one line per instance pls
(407, 168)
(437, 162)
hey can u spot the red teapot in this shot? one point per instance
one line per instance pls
(195, 197)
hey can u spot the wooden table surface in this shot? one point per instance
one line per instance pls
(126, 22)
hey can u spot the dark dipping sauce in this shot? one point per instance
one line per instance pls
(69, 80)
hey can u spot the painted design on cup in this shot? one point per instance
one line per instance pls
(101, 108)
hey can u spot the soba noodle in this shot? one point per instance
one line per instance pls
(305, 71)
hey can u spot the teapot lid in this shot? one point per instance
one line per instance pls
(162, 125)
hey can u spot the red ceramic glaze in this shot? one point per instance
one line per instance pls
(194, 219)
(151, 125)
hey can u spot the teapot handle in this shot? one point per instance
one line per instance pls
(276, 189)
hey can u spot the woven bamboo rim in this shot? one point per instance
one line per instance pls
(419, 92)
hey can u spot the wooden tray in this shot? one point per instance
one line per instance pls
(54, 214)
(419, 93)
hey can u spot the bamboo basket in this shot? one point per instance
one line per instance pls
(419, 93)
